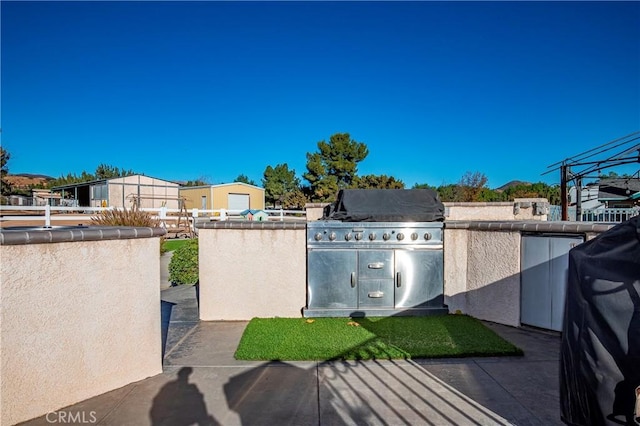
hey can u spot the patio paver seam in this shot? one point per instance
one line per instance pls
(117, 405)
(533, 415)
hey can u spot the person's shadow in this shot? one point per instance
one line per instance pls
(180, 403)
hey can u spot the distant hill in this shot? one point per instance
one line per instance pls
(25, 180)
(512, 184)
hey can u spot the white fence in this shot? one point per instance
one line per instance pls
(48, 214)
(606, 215)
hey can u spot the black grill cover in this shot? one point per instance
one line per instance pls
(386, 205)
(600, 350)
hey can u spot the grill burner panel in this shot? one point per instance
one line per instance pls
(374, 234)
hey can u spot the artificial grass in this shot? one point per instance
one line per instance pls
(324, 339)
(172, 245)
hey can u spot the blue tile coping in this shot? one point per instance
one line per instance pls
(21, 235)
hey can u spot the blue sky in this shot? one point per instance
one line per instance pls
(184, 90)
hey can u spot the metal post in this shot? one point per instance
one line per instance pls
(563, 191)
(47, 216)
(579, 198)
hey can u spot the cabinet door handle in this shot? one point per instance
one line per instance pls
(376, 265)
(398, 279)
(353, 279)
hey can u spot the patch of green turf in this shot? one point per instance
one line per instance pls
(299, 339)
(171, 245)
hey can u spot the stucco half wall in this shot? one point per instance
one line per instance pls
(252, 270)
(79, 317)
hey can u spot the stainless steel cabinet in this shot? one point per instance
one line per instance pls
(332, 280)
(544, 272)
(375, 279)
(419, 278)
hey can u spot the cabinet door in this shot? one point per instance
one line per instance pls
(544, 272)
(559, 275)
(419, 278)
(331, 279)
(535, 287)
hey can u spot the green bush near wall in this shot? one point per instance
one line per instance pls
(183, 267)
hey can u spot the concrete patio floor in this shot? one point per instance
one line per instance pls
(203, 384)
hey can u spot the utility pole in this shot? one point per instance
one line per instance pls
(579, 198)
(564, 199)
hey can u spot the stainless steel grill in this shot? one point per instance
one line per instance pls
(374, 268)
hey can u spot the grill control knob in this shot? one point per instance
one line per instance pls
(372, 236)
(414, 236)
(386, 236)
(427, 236)
(358, 236)
(348, 236)
(332, 236)
(318, 236)
(400, 236)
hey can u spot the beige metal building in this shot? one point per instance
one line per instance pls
(230, 196)
(145, 191)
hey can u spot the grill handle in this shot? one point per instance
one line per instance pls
(353, 280)
(398, 279)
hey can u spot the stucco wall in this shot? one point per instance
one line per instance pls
(78, 319)
(314, 211)
(455, 269)
(258, 271)
(493, 276)
(519, 209)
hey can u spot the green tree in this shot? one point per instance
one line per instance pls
(334, 166)
(196, 182)
(295, 199)
(322, 186)
(5, 188)
(377, 182)
(278, 182)
(471, 186)
(536, 190)
(449, 192)
(105, 171)
(423, 186)
(244, 179)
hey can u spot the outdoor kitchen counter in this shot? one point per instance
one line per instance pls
(484, 263)
(251, 269)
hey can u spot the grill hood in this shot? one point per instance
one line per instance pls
(386, 205)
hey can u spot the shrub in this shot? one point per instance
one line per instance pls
(183, 267)
(124, 217)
